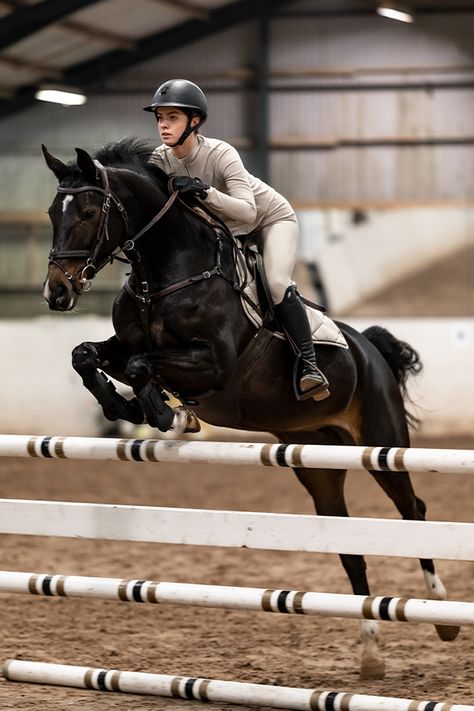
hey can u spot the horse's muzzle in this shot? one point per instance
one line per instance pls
(60, 297)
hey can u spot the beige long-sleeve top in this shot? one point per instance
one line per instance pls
(240, 199)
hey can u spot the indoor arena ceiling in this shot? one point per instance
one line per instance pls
(79, 42)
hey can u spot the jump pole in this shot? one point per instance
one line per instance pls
(192, 688)
(439, 612)
(393, 459)
(239, 529)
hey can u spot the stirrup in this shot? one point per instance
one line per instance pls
(313, 383)
(318, 389)
(185, 421)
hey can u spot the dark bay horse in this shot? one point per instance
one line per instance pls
(180, 327)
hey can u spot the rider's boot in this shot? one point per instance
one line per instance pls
(291, 314)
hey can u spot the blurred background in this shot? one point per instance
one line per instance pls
(361, 113)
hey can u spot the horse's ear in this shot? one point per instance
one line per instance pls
(60, 169)
(86, 164)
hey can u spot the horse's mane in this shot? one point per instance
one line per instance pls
(133, 154)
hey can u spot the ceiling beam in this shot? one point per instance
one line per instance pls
(28, 19)
(185, 33)
(199, 12)
(43, 70)
(110, 38)
(102, 67)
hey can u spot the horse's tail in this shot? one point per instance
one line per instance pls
(402, 359)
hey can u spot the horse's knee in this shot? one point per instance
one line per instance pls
(84, 358)
(138, 371)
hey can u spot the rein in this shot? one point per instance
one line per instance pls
(133, 257)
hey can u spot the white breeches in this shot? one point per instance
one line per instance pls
(280, 249)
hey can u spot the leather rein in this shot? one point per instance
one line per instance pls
(144, 297)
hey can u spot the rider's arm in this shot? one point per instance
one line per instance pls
(239, 204)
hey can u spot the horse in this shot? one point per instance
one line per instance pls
(179, 327)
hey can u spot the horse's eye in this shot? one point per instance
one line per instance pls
(88, 214)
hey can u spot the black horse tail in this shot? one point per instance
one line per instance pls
(402, 359)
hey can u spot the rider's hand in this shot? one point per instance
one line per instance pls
(189, 186)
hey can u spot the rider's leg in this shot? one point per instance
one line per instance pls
(280, 248)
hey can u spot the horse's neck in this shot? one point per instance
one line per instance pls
(176, 247)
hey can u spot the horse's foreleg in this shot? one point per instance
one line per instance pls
(326, 489)
(140, 372)
(195, 366)
(86, 359)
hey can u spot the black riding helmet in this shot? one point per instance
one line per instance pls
(185, 95)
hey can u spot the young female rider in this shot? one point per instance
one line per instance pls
(242, 201)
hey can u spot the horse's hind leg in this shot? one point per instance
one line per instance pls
(326, 489)
(398, 487)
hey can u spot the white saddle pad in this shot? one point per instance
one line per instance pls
(323, 329)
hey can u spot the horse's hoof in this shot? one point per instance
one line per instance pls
(447, 633)
(185, 421)
(371, 668)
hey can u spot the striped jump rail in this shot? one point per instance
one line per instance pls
(236, 529)
(240, 598)
(393, 459)
(192, 688)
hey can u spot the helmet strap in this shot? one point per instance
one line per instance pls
(187, 131)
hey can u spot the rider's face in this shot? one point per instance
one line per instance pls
(171, 124)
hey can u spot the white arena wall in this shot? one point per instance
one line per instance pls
(41, 394)
(357, 259)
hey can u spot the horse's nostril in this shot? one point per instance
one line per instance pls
(59, 297)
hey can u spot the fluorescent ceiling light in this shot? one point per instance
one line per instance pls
(61, 95)
(396, 12)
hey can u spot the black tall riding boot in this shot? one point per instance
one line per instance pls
(291, 314)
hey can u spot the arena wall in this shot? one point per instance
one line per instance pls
(361, 251)
(41, 394)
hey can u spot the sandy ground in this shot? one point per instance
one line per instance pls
(444, 288)
(257, 647)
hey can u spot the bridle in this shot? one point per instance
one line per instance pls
(82, 280)
(84, 276)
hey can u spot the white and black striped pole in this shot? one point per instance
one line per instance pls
(295, 602)
(191, 689)
(392, 459)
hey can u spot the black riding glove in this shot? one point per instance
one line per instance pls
(189, 186)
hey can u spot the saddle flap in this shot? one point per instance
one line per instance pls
(323, 329)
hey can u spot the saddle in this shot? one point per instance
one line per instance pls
(253, 286)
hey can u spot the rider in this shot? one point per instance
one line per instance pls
(242, 201)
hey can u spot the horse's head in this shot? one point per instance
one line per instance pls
(88, 222)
